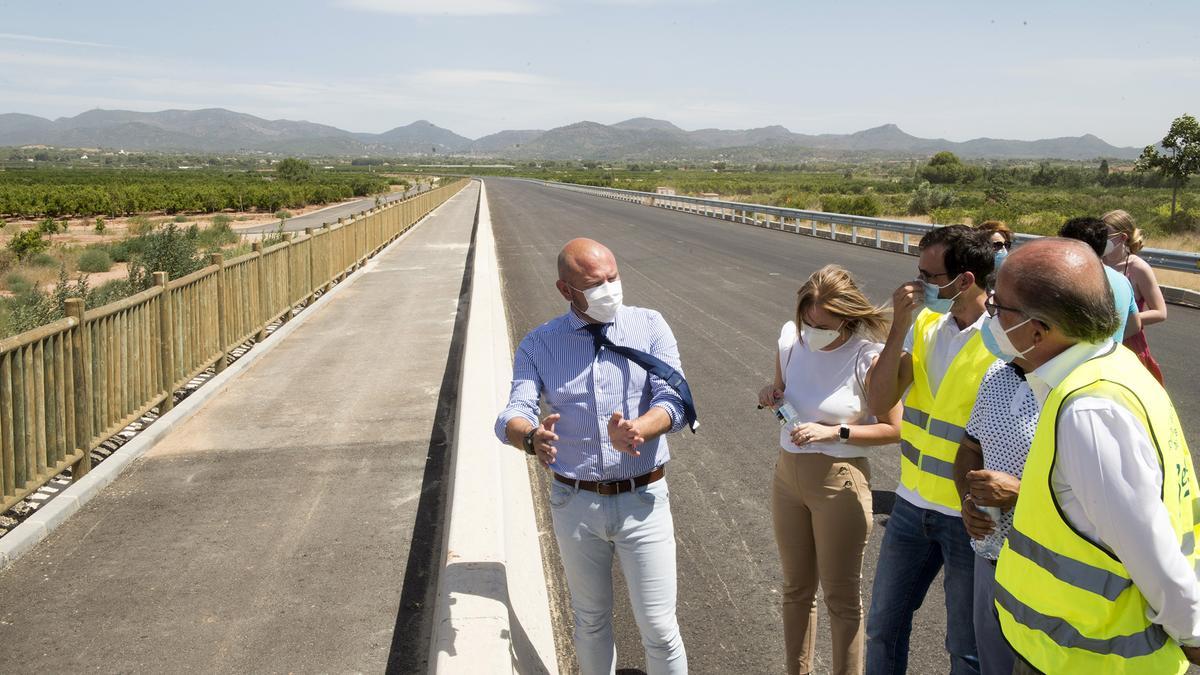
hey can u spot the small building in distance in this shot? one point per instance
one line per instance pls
(670, 192)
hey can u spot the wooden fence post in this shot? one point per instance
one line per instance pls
(312, 272)
(222, 324)
(83, 398)
(257, 247)
(166, 338)
(287, 284)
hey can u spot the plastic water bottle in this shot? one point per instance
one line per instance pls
(787, 415)
(991, 545)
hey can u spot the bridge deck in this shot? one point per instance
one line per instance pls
(726, 289)
(271, 532)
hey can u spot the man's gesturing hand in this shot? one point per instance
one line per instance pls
(625, 435)
(543, 439)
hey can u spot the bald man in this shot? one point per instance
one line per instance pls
(604, 442)
(1097, 574)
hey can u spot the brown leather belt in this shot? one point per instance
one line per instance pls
(614, 487)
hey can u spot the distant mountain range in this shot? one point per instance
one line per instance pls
(217, 130)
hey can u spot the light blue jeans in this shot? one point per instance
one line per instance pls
(636, 525)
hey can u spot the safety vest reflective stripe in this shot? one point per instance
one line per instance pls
(915, 416)
(946, 430)
(927, 463)
(1078, 574)
(1143, 643)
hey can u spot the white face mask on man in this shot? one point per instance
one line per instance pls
(603, 300)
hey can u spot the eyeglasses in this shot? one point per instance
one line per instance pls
(993, 308)
(922, 275)
(1000, 245)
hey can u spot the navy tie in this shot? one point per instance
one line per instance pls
(653, 365)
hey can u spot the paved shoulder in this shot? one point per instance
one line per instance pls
(270, 532)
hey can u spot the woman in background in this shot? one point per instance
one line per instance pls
(1124, 242)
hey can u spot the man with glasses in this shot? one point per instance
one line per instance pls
(1097, 572)
(935, 361)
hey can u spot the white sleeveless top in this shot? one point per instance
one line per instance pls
(826, 387)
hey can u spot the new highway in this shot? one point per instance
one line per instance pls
(726, 289)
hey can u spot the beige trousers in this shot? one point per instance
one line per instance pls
(821, 506)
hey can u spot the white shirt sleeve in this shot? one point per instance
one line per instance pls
(908, 340)
(1108, 480)
(788, 335)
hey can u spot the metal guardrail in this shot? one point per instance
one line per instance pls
(69, 385)
(836, 226)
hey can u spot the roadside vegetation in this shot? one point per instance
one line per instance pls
(100, 233)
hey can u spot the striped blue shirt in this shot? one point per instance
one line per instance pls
(558, 360)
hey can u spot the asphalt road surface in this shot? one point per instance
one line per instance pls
(330, 215)
(726, 289)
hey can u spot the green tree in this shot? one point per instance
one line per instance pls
(1181, 156)
(295, 170)
(945, 168)
(27, 243)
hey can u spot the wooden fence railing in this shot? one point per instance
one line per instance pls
(67, 386)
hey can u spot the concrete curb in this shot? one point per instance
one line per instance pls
(35, 528)
(1180, 296)
(492, 613)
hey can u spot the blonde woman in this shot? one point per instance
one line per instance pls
(1124, 242)
(821, 497)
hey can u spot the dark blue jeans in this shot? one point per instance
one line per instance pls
(917, 543)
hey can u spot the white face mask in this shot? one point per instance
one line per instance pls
(603, 300)
(1110, 245)
(995, 338)
(816, 339)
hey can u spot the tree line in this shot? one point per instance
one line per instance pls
(56, 192)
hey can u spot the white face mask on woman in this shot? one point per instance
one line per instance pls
(1111, 245)
(816, 339)
(603, 300)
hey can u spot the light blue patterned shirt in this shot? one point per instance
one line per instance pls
(558, 360)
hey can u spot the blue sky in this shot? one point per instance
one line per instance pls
(957, 70)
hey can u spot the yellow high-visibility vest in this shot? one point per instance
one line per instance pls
(933, 426)
(1066, 604)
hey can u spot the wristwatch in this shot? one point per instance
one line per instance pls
(527, 443)
(844, 433)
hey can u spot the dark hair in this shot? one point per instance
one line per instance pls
(1089, 230)
(967, 250)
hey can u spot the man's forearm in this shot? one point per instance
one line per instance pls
(883, 390)
(968, 459)
(655, 423)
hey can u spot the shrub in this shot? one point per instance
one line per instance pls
(927, 198)
(947, 216)
(166, 250)
(140, 225)
(215, 237)
(95, 260)
(100, 226)
(110, 291)
(855, 205)
(181, 219)
(221, 219)
(18, 283)
(43, 260)
(48, 226)
(126, 249)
